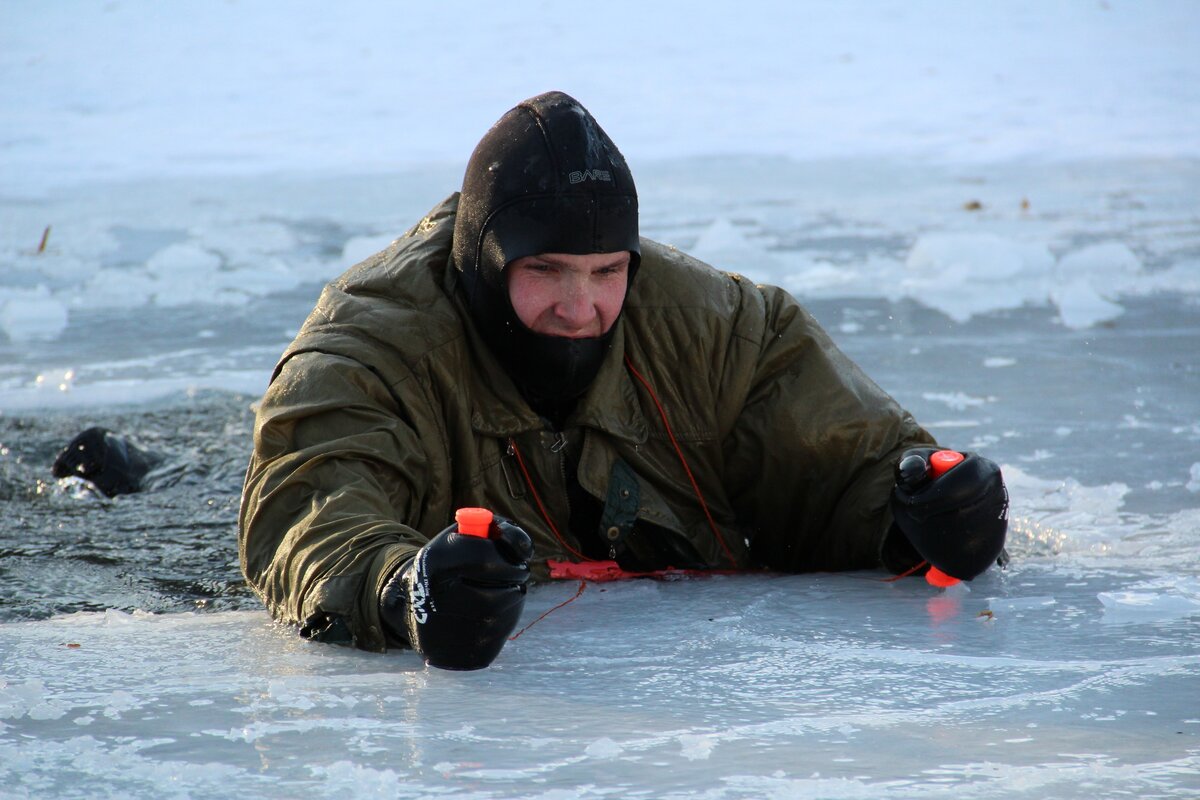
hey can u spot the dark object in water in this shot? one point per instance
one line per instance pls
(105, 459)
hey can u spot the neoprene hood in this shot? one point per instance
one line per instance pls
(544, 179)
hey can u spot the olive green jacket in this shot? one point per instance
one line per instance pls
(388, 412)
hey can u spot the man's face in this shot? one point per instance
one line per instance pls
(576, 297)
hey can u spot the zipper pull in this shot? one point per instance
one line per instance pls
(613, 534)
(560, 441)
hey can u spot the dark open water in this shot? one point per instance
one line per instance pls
(64, 547)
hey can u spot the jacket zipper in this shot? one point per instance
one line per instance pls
(512, 477)
(559, 447)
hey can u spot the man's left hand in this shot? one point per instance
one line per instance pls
(957, 521)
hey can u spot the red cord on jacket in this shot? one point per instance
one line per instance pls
(712, 523)
(516, 451)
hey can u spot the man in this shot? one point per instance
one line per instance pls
(610, 399)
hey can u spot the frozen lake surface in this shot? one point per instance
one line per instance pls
(832, 686)
(136, 663)
(992, 209)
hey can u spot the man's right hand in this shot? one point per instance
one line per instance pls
(458, 599)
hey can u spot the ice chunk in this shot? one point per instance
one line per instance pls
(697, 747)
(118, 702)
(183, 261)
(117, 288)
(726, 247)
(817, 276)
(284, 694)
(1182, 276)
(28, 315)
(360, 247)
(1008, 605)
(348, 779)
(1110, 266)
(1091, 280)
(1050, 517)
(1193, 484)
(964, 274)
(244, 243)
(29, 698)
(1080, 304)
(982, 256)
(1140, 606)
(603, 747)
(16, 699)
(956, 400)
(239, 285)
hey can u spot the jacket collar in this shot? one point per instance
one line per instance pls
(611, 403)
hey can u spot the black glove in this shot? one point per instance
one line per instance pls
(109, 461)
(458, 599)
(958, 521)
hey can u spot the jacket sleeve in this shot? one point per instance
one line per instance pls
(335, 472)
(810, 457)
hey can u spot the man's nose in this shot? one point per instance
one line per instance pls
(577, 304)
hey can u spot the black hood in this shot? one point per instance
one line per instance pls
(545, 179)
